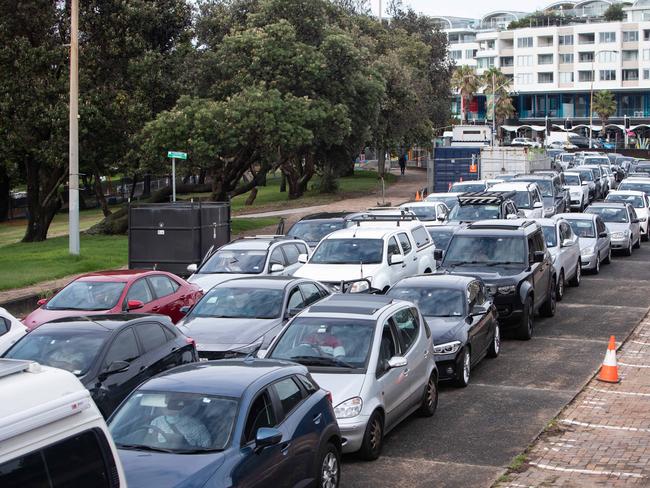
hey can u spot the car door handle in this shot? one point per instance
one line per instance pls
(318, 418)
(426, 353)
(155, 308)
(174, 348)
(284, 448)
(415, 258)
(405, 372)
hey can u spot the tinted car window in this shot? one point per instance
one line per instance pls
(432, 302)
(421, 236)
(550, 235)
(291, 252)
(393, 248)
(225, 302)
(349, 251)
(277, 257)
(124, 348)
(610, 214)
(261, 414)
(407, 325)
(4, 326)
(387, 349)
(405, 242)
(151, 336)
(87, 295)
(583, 228)
(140, 291)
(295, 299)
(26, 470)
(308, 384)
(288, 393)
(162, 285)
(311, 293)
(484, 249)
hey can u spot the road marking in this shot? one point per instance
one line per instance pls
(534, 388)
(641, 343)
(588, 471)
(595, 403)
(616, 392)
(572, 339)
(592, 305)
(610, 279)
(634, 365)
(603, 426)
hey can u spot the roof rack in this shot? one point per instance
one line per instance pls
(397, 218)
(13, 366)
(503, 224)
(485, 197)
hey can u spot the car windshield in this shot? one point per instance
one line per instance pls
(583, 228)
(87, 295)
(642, 169)
(174, 422)
(423, 212)
(597, 161)
(630, 185)
(72, 350)
(315, 230)
(440, 237)
(343, 343)
(522, 199)
(610, 214)
(244, 261)
(349, 251)
(568, 157)
(433, 302)
(635, 200)
(572, 180)
(232, 302)
(545, 186)
(472, 213)
(550, 236)
(451, 202)
(485, 250)
(467, 187)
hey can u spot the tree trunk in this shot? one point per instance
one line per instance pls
(283, 184)
(5, 194)
(43, 200)
(134, 182)
(146, 185)
(251, 197)
(202, 176)
(99, 193)
(381, 161)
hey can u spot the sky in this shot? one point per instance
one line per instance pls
(466, 8)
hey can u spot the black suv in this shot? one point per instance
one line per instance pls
(512, 259)
(483, 205)
(312, 228)
(554, 195)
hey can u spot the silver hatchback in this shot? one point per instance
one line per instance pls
(374, 354)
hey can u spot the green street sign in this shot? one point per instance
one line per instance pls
(176, 155)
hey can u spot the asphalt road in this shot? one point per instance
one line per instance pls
(478, 430)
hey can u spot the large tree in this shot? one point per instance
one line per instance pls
(466, 82)
(604, 106)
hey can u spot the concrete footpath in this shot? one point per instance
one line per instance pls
(602, 438)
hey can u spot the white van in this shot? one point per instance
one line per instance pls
(51, 432)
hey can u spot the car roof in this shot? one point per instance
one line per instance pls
(635, 193)
(437, 281)
(357, 304)
(258, 243)
(226, 377)
(264, 281)
(469, 182)
(547, 222)
(116, 275)
(608, 204)
(533, 176)
(107, 322)
(512, 186)
(575, 216)
(498, 226)
(423, 203)
(364, 232)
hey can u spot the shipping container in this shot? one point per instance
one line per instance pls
(169, 236)
(452, 164)
(507, 160)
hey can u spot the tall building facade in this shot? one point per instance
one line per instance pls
(553, 68)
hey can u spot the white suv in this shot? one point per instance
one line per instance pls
(527, 197)
(641, 205)
(381, 255)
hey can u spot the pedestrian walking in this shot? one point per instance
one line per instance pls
(402, 163)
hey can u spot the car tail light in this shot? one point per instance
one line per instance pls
(190, 341)
(329, 396)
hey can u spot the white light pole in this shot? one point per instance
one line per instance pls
(591, 94)
(73, 177)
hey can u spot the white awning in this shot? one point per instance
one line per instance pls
(514, 128)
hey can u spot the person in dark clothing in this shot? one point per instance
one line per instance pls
(402, 163)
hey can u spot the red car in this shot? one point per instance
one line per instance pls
(118, 291)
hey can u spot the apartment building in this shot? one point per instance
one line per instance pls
(553, 68)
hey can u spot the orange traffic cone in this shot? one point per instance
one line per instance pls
(418, 198)
(609, 369)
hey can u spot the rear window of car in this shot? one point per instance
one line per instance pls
(421, 236)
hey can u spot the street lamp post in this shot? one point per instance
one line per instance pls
(73, 176)
(591, 94)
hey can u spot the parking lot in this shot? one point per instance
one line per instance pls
(478, 430)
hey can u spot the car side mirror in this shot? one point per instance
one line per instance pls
(192, 268)
(134, 305)
(567, 243)
(603, 234)
(585, 183)
(184, 309)
(538, 205)
(277, 268)
(512, 216)
(441, 218)
(396, 259)
(266, 437)
(397, 362)
(635, 221)
(114, 368)
(478, 310)
(438, 254)
(538, 256)
(41, 302)
(302, 258)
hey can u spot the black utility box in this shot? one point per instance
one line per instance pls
(169, 236)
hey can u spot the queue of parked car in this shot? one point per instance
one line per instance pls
(281, 353)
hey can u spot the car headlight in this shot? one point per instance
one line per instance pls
(506, 290)
(619, 235)
(447, 348)
(349, 408)
(642, 219)
(587, 251)
(250, 348)
(359, 286)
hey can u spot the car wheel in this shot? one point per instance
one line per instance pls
(608, 259)
(495, 347)
(560, 287)
(373, 438)
(525, 329)
(646, 235)
(628, 251)
(430, 399)
(463, 374)
(638, 242)
(597, 268)
(548, 309)
(329, 475)
(575, 281)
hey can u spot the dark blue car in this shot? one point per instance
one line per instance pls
(240, 423)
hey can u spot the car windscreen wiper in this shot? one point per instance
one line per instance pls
(321, 361)
(499, 263)
(143, 447)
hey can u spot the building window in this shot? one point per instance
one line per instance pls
(630, 74)
(607, 36)
(525, 78)
(586, 57)
(630, 36)
(525, 60)
(483, 63)
(607, 56)
(646, 34)
(646, 54)
(585, 76)
(525, 42)
(545, 59)
(607, 74)
(566, 77)
(455, 54)
(587, 38)
(544, 77)
(470, 53)
(630, 55)
(491, 43)
(646, 74)
(506, 61)
(566, 40)
(566, 58)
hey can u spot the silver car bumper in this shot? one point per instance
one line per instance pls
(589, 262)
(618, 244)
(352, 432)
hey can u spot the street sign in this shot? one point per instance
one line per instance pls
(176, 155)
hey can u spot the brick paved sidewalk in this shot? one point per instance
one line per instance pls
(602, 438)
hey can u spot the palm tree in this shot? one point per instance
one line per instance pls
(496, 84)
(604, 106)
(466, 82)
